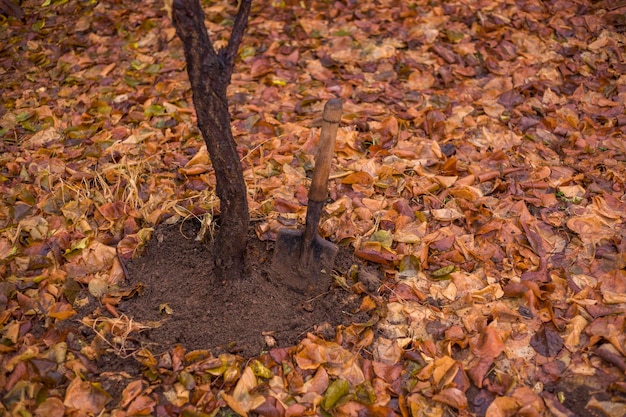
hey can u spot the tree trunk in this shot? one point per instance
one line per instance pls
(8, 8)
(210, 74)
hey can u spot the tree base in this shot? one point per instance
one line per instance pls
(238, 314)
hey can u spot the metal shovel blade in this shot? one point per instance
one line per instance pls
(293, 270)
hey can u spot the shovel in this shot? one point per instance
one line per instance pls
(302, 259)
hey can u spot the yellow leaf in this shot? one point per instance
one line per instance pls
(383, 237)
(337, 390)
(165, 309)
(261, 370)
(200, 158)
(76, 209)
(78, 245)
(279, 82)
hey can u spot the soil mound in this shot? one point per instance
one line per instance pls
(242, 315)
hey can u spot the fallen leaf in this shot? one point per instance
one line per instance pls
(242, 399)
(453, 397)
(85, 396)
(335, 392)
(50, 407)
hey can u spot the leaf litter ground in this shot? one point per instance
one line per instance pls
(481, 162)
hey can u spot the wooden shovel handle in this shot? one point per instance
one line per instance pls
(324, 158)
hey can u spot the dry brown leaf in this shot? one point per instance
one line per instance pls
(85, 396)
(453, 397)
(242, 400)
(50, 407)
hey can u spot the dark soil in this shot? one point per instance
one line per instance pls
(242, 315)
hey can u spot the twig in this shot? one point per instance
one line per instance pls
(119, 258)
(487, 176)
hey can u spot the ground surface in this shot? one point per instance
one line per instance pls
(172, 288)
(243, 315)
(480, 165)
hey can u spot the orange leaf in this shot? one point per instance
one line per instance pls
(374, 252)
(131, 391)
(310, 355)
(61, 311)
(360, 177)
(489, 344)
(503, 407)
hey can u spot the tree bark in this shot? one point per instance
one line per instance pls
(210, 74)
(8, 8)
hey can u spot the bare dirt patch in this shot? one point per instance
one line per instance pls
(242, 315)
